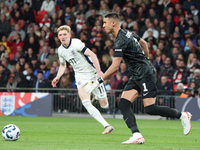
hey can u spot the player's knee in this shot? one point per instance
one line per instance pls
(106, 106)
(150, 109)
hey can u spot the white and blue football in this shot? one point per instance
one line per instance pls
(11, 132)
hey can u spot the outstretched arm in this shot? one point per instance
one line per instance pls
(59, 74)
(112, 69)
(94, 58)
(144, 46)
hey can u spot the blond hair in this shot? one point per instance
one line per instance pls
(64, 27)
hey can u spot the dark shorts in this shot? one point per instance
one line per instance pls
(146, 87)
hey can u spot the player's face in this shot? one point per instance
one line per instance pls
(107, 24)
(64, 37)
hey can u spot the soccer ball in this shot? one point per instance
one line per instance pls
(11, 132)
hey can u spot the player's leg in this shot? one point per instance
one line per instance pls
(125, 102)
(93, 111)
(152, 109)
(149, 99)
(100, 94)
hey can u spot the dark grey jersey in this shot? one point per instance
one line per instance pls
(127, 46)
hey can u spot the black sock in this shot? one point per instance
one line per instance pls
(162, 111)
(129, 117)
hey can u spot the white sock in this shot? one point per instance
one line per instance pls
(94, 112)
(105, 107)
(137, 134)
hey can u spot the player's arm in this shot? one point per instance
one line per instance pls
(113, 68)
(144, 46)
(94, 58)
(61, 70)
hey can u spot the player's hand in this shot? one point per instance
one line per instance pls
(90, 86)
(54, 82)
(99, 74)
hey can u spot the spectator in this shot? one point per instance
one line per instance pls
(152, 15)
(44, 53)
(30, 77)
(22, 61)
(40, 82)
(33, 44)
(106, 62)
(11, 85)
(52, 56)
(4, 26)
(15, 9)
(186, 4)
(17, 20)
(180, 89)
(145, 27)
(64, 83)
(22, 83)
(91, 20)
(150, 37)
(17, 41)
(48, 5)
(189, 60)
(166, 70)
(35, 63)
(104, 9)
(4, 42)
(155, 32)
(162, 25)
(196, 79)
(6, 12)
(28, 16)
(36, 5)
(43, 68)
(31, 32)
(183, 25)
(53, 21)
(165, 85)
(16, 58)
(26, 66)
(45, 21)
(181, 73)
(17, 30)
(30, 55)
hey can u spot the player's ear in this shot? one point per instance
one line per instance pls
(70, 35)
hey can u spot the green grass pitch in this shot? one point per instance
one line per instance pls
(50, 133)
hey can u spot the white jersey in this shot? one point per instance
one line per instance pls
(82, 64)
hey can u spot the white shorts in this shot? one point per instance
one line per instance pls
(99, 93)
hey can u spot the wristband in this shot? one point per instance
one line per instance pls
(100, 80)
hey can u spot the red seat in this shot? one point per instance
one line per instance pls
(57, 7)
(38, 18)
(42, 12)
(11, 56)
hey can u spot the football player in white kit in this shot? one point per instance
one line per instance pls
(82, 59)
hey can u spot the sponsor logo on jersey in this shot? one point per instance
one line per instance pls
(128, 34)
(119, 50)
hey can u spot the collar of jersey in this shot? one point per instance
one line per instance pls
(69, 44)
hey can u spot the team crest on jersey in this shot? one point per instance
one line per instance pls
(73, 52)
(79, 82)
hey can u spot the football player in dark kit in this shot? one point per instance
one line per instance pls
(134, 51)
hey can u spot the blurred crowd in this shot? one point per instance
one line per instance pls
(28, 46)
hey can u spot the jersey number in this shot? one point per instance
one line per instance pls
(145, 88)
(72, 61)
(101, 89)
